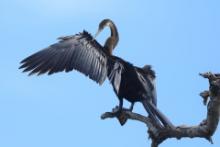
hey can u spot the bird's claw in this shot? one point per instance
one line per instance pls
(117, 111)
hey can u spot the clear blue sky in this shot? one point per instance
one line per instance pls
(180, 38)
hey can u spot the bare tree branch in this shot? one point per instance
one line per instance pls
(205, 129)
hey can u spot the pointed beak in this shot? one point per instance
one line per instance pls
(97, 33)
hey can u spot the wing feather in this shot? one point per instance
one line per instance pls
(80, 52)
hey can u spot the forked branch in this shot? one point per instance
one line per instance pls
(204, 129)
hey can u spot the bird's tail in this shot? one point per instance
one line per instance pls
(156, 115)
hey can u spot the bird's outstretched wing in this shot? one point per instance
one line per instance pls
(80, 52)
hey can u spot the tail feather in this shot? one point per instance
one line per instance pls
(151, 114)
(157, 113)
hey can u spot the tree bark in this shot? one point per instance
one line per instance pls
(205, 129)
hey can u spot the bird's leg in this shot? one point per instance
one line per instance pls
(119, 107)
(119, 113)
(120, 104)
(131, 107)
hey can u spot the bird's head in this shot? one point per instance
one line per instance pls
(111, 41)
(102, 25)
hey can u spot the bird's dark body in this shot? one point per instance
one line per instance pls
(130, 86)
(84, 54)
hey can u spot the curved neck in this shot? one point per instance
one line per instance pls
(111, 41)
(114, 31)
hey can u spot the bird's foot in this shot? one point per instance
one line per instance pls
(114, 113)
(118, 112)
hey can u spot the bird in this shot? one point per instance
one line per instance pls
(81, 52)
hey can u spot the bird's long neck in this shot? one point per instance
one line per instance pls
(114, 32)
(112, 41)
